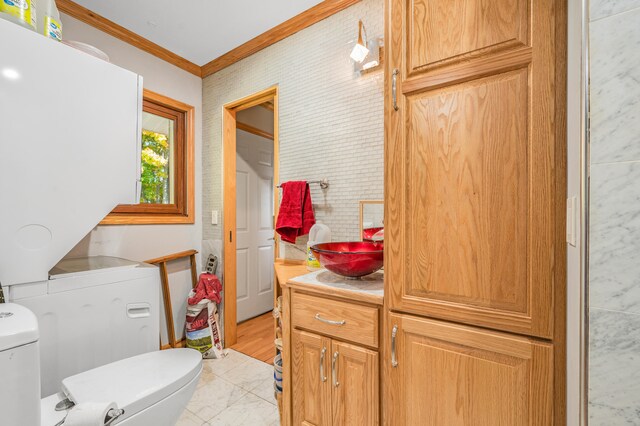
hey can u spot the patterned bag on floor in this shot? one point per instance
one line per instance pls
(202, 329)
(203, 333)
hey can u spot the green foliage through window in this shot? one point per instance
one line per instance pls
(155, 168)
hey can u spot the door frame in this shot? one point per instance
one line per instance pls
(229, 127)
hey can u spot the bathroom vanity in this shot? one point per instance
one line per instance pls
(331, 356)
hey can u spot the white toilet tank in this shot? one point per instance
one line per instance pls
(19, 367)
(91, 312)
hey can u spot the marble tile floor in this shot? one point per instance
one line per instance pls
(236, 390)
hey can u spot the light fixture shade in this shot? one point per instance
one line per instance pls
(359, 53)
(372, 60)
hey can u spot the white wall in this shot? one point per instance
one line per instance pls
(331, 121)
(142, 242)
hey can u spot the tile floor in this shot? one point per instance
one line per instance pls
(236, 391)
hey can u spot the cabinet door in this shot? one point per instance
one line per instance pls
(474, 161)
(310, 379)
(448, 374)
(354, 382)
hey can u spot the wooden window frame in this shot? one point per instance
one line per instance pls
(183, 209)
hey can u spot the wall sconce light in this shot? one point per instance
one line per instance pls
(366, 53)
(373, 58)
(360, 51)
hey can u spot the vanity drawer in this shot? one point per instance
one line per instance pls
(344, 320)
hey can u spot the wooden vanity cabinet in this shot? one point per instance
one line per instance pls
(334, 383)
(333, 376)
(355, 392)
(311, 387)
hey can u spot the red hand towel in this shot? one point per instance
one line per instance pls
(295, 217)
(208, 287)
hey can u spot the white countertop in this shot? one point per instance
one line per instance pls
(371, 284)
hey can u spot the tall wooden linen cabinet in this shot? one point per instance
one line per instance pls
(475, 195)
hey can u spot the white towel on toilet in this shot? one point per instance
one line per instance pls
(89, 414)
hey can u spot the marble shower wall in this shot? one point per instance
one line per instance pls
(614, 287)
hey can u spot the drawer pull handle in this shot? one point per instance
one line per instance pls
(326, 321)
(334, 369)
(394, 359)
(323, 378)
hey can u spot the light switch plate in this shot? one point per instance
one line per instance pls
(214, 217)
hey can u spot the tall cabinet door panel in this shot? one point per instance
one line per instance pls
(472, 162)
(355, 385)
(449, 374)
(443, 32)
(310, 372)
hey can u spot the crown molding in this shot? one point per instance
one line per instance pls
(299, 22)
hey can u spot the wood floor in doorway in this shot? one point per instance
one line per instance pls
(255, 338)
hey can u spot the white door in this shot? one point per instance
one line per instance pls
(254, 225)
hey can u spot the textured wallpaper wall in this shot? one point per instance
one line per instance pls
(331, 121)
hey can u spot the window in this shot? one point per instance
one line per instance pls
(166, 166)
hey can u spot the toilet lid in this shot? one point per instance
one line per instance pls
(138, 382)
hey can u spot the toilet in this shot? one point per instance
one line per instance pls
(149, 389)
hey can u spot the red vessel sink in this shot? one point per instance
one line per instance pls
(350, 259)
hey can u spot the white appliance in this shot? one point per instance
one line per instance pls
(69, 149)
(92, 311)
(151, 389)
(69, 153)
